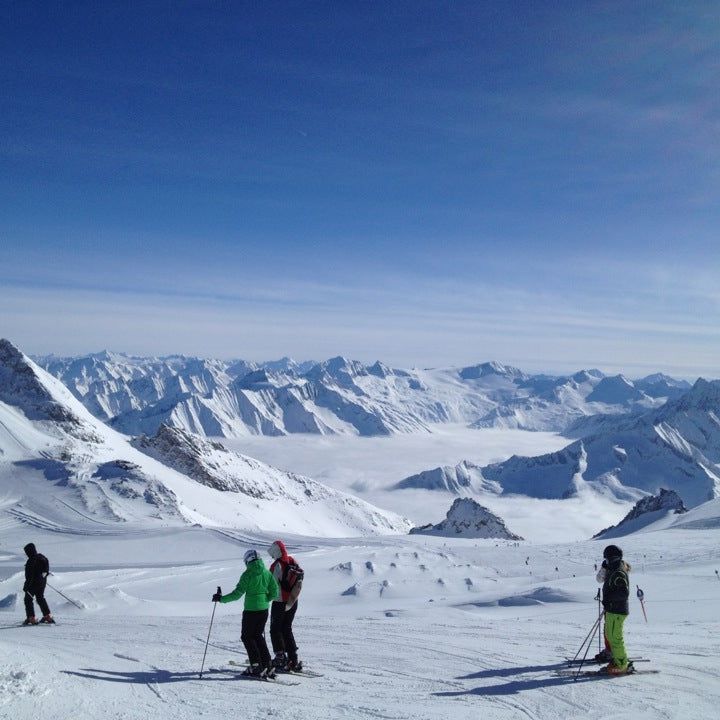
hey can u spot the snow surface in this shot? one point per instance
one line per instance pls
(433, 629)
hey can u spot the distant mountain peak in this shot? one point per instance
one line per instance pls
(615, 390)
(667, 501)
(21, 387)
(458, 479)
(657, 378)
(475, 372)
(468, 518)
(588, 375)
(380, 370)
(109, 356)
(703, 396)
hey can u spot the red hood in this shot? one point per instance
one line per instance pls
(283, 549)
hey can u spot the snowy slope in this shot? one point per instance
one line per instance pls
(60, 466)
(286, 501)
(237, 398)
(481, 628)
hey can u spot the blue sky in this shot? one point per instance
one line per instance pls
(430, 183)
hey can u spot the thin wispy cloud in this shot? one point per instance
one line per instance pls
(437, 323)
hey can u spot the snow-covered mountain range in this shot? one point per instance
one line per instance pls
(235, 398)
(675, 446)
(58, 461)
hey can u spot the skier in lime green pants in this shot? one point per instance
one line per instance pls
(616, 590)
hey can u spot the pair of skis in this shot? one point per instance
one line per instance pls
(22, 624)
(301, 673)
(602, 673)
(277, 680)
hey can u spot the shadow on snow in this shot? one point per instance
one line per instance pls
(156, 676)
(517, 686)
(508, 672)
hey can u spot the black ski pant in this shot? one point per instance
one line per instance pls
(253, 636)
(39, 592)
(281, 632)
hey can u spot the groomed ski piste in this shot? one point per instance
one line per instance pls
(400, 627)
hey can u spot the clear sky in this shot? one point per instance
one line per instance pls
(428, 183)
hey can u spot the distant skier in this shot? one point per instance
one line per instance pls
(613, 574)
(289, 576)
(37, 568)
(259, 588)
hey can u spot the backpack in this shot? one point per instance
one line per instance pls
(292, 576)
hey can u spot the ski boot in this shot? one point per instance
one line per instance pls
(604, 656)
(252, 670)
(279, 661)
(613, 669)
(32, 620)
(294, 666)
(268, 672)
(47, 619)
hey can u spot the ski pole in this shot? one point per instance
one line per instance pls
(588, 639)
(600, 614)
(79, 607)
(207, 642)
(641, 598)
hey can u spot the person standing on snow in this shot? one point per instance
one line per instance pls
(259, 588)
(37, 568)
(289, 577)
(615, 593)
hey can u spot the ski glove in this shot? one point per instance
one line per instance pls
(217, 597)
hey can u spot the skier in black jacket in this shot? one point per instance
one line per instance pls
(37, 568)
(615, 592)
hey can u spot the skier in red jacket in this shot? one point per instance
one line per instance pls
(289, 576)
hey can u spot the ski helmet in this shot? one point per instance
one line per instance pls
(611, 552)
(250, 555)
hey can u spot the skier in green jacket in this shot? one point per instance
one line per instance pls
(259, 588)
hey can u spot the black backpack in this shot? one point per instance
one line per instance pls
(292, 575)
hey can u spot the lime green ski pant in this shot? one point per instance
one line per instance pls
(614, 634)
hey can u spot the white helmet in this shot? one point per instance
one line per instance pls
(250, 555)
